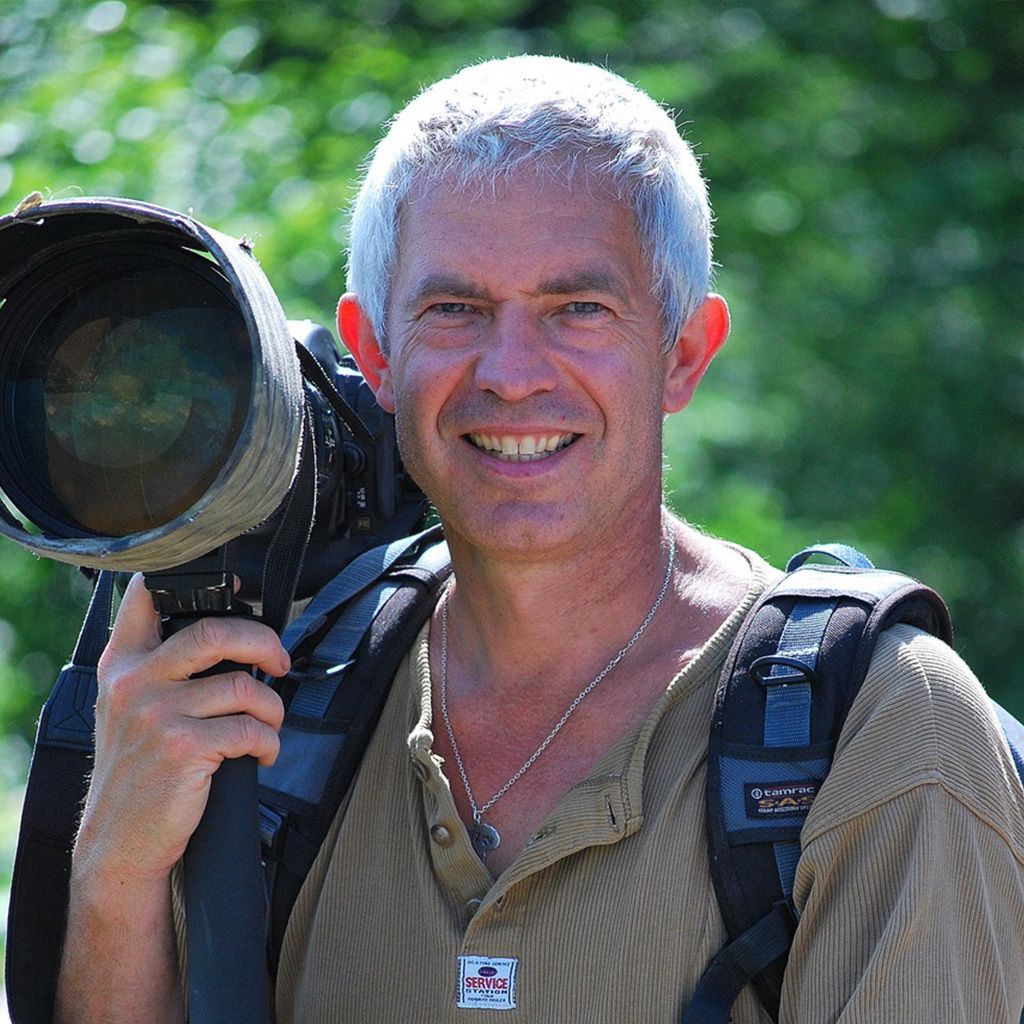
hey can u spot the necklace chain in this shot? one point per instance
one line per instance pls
(479, 812)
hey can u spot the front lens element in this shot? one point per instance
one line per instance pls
(126, 395)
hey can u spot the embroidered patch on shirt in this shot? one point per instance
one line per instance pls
(779, 798)
(487, 982)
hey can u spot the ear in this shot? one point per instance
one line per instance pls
(360, 339)
(698, 343)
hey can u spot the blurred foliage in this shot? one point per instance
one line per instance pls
(866, 162)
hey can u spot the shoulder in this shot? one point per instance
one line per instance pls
(921, 719)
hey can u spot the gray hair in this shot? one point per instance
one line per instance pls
(491, 118)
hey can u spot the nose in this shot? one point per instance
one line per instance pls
(515, 361)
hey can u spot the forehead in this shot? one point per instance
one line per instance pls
(526, 226)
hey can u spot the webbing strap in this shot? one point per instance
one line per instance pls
(744, 957)
(358, 574)
(96, 626)
(282, 564)
(334, 653)
(57, 783)
(842, 553)
(1013, 731)
(786, 857)
(787, 713)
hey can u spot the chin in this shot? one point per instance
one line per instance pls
(513, 533)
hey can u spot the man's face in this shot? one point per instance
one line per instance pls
(525, 366)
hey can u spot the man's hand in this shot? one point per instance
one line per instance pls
(160, 736)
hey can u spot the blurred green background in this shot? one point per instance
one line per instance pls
(866, 162)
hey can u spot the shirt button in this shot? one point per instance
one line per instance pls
(441, 835)
(472, 906)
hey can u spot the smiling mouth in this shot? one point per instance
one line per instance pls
(529, 448)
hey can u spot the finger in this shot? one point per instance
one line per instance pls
(213, 639)
(239, 736)
(234, 693)
(137, 626)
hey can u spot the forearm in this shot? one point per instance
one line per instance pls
(120, 961)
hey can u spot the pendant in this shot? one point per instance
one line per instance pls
(484, 838)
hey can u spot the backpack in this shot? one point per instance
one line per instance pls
(789, 681)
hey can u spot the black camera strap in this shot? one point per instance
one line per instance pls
(287, 549)
(313, 372)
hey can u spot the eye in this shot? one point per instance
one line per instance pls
(582, 308)
(451, 308)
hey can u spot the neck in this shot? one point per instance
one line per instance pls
(512, 619)
(526, 648)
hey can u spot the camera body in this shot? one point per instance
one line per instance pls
(364, 496)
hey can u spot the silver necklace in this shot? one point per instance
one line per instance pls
(483, 836)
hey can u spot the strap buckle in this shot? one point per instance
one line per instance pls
(762, 671)
(311, 669)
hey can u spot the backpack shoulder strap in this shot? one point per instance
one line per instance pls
(57, 783)
(346, 649)
(794, 670)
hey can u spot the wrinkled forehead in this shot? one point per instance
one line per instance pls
(569, 180)
(528, 189)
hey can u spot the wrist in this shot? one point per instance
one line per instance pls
(105, 876)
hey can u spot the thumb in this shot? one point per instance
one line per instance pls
(137, 626)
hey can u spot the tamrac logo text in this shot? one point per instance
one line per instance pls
(779, 799)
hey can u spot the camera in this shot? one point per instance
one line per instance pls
(157, 404)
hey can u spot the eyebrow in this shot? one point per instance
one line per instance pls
(445, 284)
(588, 280)
(582, 281)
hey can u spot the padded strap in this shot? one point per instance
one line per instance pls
(787, 710)
(795, 668)
(346, 648)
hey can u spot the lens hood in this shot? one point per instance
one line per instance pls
(250, 470)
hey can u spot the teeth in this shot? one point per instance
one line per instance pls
(521, 449)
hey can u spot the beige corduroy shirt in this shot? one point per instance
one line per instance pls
(910, 883)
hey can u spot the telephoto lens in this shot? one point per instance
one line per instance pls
(151, 397)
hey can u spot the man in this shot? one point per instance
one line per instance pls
(529, 273)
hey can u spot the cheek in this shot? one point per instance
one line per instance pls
(410, 447)
(416, 410)
(427, 383)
